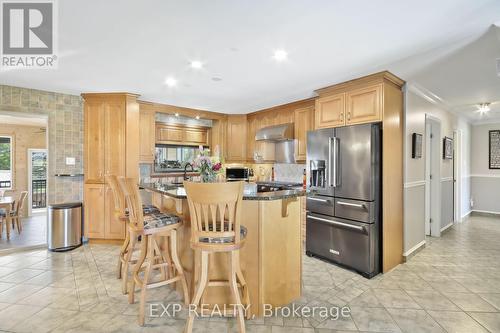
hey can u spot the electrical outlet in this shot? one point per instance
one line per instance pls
(70, 161)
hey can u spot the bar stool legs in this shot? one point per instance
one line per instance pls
(152, 258)
(235, 278)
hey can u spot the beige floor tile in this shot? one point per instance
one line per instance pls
(373, 320)
(21, 275)
(395, 299)
(45, 320)
(493, 299)
(489, 320)
(457, 322)
(18, 292)
(470, 302)
(432, 300)
(15, 314)
(415, 321)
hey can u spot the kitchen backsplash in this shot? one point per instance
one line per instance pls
(289, 172)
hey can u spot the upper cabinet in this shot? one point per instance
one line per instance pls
(218, 135)
(236, 138)
(364, 105)
(303, 119)
(349, 104)
(146, 135)
(111, 136)
(180, 134)
(330, 111)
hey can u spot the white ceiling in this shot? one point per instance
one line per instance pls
(460, 75)
(133, 46)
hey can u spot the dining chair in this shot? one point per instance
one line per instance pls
(18, 212)
(151, 228)
(5, 218)
(215, 210)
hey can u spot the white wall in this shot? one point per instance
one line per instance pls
(485, 183)
(414, 224)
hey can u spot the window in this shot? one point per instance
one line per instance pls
(5, 162)
(170, 158)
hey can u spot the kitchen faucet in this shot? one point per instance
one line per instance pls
(185, 170)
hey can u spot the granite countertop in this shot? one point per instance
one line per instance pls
(249, 193)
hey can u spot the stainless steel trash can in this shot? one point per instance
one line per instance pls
(64, 230)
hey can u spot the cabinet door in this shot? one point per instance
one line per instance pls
(303, 123)
(218, 137)
(94, 141)
(330, 111)
(113, 227)
(166, 133)
(252, 122)
(364, 105)
(236, 138)
(114, 148)
(94, 214)
(146, 136)
(195, 136)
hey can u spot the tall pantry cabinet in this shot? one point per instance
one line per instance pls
(111, 147)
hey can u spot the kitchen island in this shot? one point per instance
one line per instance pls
(271, 259)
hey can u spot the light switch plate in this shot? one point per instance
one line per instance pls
(70, 161)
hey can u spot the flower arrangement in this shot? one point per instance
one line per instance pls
(209, 166)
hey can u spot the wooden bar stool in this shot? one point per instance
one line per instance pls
(121, 214)
(151, 228)
(215, 210)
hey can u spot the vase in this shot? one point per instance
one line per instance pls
(208, 177)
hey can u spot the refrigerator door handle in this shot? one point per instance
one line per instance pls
(318, 199)
(330, 163)
(351, 204)
(337, 223)
(336, 157)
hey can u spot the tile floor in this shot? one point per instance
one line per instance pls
(34, 233)
(452, 285)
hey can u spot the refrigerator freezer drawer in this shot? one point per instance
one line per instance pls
(320, 204)
(355, 210)
(345, 242)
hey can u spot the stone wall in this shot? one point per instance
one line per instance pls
(65, 130)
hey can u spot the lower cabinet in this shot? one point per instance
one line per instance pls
(99, 217)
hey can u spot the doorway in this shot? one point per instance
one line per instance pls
(432, 176)
(37, 181)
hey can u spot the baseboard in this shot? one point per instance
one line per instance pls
(414, 250)
(446, 227)
(105, 241)
(466, 214)
(485, 213)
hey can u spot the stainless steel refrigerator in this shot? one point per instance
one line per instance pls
(344, 203)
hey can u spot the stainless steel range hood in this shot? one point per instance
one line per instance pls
(275, 133)
(282, 137)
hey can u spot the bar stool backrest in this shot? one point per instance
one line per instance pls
(134, 202)
(118, 196)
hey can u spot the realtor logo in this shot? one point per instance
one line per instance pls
(28, 34)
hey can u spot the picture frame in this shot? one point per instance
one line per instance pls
(416, 145)
(494, 149)
(447, 148)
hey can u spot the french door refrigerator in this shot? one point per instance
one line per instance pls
(344, 202)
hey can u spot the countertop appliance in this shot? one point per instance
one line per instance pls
(344, 204)
(237, 174)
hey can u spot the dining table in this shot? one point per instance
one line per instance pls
(6, 204)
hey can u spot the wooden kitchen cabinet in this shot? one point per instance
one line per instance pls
(94, 141)
(218, 137)
(364, 105)
(330, 111)
(236, 138)
(181, 134)
(251, 144)
(146, 135)
(111, 147)
(303, 119)
(94, 212)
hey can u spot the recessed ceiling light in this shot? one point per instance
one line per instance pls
(170, 81)
(197, 117)
(177, 114)
(280, 55)
(196, 64)
(483, 108)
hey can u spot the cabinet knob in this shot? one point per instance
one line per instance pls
(349, 115)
